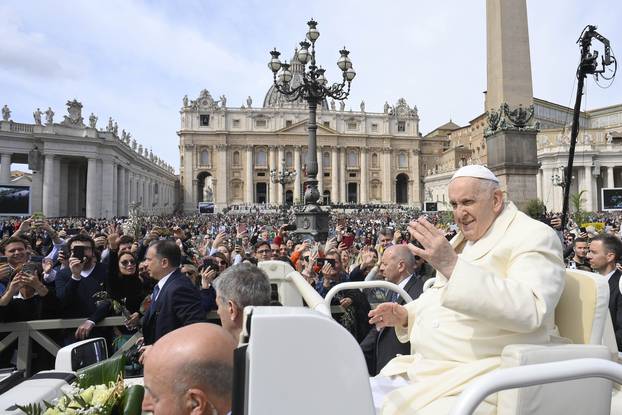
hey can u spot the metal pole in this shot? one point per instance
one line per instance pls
(585, 44)
(312, 194)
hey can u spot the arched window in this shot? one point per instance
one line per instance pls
(236, 158)
(289, 159)
(374, 161)
(261, 158)
(402, 161)
(326, 159)
(353, 158)
(205, 160)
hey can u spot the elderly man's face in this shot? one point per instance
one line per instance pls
(475, 206)
(160, 396)
(390, 267)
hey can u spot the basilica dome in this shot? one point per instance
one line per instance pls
(274, 99)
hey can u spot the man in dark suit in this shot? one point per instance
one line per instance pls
(397, 266)
(175, 301)
(605, 251)
(77, 284)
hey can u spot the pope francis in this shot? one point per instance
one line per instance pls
(498, 282)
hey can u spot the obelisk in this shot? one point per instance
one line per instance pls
(511, 132)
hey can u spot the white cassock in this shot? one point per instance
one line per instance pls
(504, 290)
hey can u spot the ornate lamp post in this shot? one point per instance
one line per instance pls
(283, 177)
(312, 221)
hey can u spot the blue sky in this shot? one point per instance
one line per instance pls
(135, 60)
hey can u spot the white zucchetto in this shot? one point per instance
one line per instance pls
(475, 170)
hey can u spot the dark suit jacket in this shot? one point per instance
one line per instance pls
(379, 347)
(76, 297)
(615, 306)
(178, 304)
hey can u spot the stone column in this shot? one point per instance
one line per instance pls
(36, 192)
(189, 191)
(415, 197)
(320, 174)
(298, 180)
(610, 177)
(130, 187)
(62, 178)
(587, 183)
(122, 191)
(115, 189)
(222, 185)
(279, 162)
(5, 168)
(107, 189)
(364, 179)
(343, 190)
(272, 164)
(50, 186)
(539, 184)
(250, 186)
(334, 176)
(149, 193)
(92, 189)
(388, 177)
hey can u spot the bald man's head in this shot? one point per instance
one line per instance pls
(397, 263)
(190, 371)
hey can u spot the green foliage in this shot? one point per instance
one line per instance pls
(535, 208)
(133, 400)
(101, 373)
(576, 199)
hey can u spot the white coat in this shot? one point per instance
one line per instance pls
(503, 290)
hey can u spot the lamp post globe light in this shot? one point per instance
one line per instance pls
(283, 177)
(311, 220)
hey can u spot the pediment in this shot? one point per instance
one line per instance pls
(301, 128)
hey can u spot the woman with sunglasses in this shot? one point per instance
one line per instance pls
(124, 283)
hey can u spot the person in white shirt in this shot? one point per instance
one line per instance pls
(605, 252)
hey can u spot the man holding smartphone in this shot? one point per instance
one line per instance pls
(77, 284)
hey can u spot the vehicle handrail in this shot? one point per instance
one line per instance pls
(366, 284)
(536, 374)
(313, 299)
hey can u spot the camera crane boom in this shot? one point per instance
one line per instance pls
(587, 66)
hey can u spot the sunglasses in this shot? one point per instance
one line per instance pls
(128, 262)
(264, 251)
(305, 258)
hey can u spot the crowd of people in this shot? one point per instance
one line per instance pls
(167, 272)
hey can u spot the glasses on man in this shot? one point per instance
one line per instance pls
(128, 262)
(264, 251)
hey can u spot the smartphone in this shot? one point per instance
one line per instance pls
(3, 260)
(78, 252)
(238, 241)
(30, 268)
(322, 261)
(210, 263)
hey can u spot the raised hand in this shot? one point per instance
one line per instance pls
(436, 249)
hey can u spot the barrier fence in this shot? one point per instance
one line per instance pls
(25, 331)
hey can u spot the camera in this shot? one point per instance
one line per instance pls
(322, 261)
